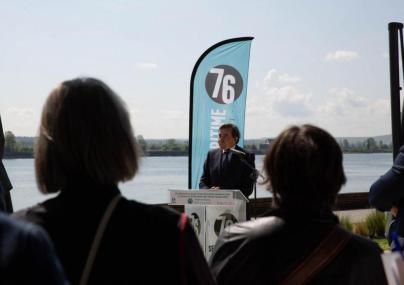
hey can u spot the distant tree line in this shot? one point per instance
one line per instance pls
(367, 146)
(172, 147)
(14, 148)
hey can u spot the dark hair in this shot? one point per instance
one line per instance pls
(235, 132)
(85, 134)
(304, 167)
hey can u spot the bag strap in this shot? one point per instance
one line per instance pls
(181, 248)
(326, 251)
(97, 239)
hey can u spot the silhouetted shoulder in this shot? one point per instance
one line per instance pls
(36, 214)
(134, 216)
(360, 242)
(163, 214)
(27, 255)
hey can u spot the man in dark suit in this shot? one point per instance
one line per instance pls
(229, 166)
(5, 184)
(387, 194)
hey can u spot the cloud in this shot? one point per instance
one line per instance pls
(348, 97)
(255, 110)
(134, 111)
(21, 121)
(379, 106)
(342, 101)
(147, 66)
(159, 123)
(274, 77)
(347, 114)
(173, 114)
(280, 97)
(22, 113)
(341, 55)
(286, 78)
(288, 101)
(341, 110)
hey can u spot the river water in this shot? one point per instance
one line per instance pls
(158, 174)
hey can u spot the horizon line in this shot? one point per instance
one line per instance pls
(168, 138)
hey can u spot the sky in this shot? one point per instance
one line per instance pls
(319, 62)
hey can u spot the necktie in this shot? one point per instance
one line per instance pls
(225, 161)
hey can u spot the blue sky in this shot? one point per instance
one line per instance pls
(320, 62)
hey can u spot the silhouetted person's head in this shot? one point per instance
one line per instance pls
(85, 136)
(304, 168)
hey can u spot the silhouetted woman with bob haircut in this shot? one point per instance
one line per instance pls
(85, 147)
(299, 240)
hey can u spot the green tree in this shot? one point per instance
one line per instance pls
(345, 144)
(172, 144)
(10, 144)
(371, 144)
(184, 147)
(155, 147)
(142, 142)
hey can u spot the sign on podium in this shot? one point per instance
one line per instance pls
(210, 211)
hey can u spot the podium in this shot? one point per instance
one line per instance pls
(210, 211)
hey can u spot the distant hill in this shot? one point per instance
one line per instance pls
(164, 141)
(27, 141)
(386, 139)
(179, 147)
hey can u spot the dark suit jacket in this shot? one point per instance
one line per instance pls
(4, 180)
(235, 176)
(388, 190)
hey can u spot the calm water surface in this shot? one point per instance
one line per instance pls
(158, 174)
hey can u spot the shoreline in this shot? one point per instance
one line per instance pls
(165, 154)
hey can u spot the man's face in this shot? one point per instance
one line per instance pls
(226, 139)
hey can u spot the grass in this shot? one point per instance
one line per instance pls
(346, 223)
(376, 224)
(382, 242)
(360, 229)
(373, 226)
